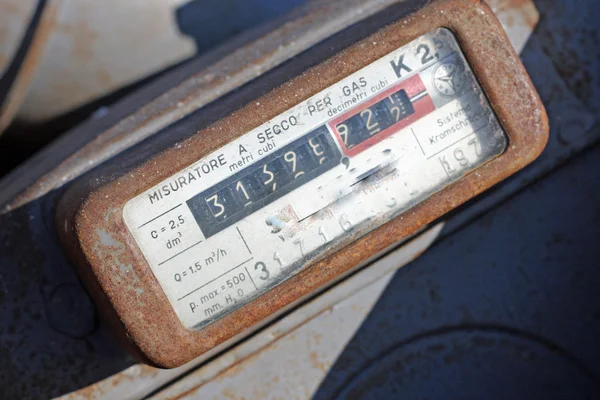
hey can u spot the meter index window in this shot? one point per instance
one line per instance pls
(374, 119)
(264, 182)
(307, 183)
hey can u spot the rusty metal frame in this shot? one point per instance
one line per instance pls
(120, 279)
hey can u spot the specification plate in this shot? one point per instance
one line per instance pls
(317, 177)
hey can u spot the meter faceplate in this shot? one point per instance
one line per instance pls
(307, 182)
(245, 218)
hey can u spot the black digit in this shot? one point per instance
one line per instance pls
(263, 268)
(172, 223)
(426, 57)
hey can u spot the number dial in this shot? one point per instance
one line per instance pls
(449, 79)
(264, 182)
(375, 119)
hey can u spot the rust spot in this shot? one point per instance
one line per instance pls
(83, 42)
(316, 363)
(105, 79)
(525, 8)
(11, 7)
(318, 337)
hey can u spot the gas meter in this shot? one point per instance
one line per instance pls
(308, 173)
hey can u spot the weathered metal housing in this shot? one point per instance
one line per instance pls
(90, 215)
